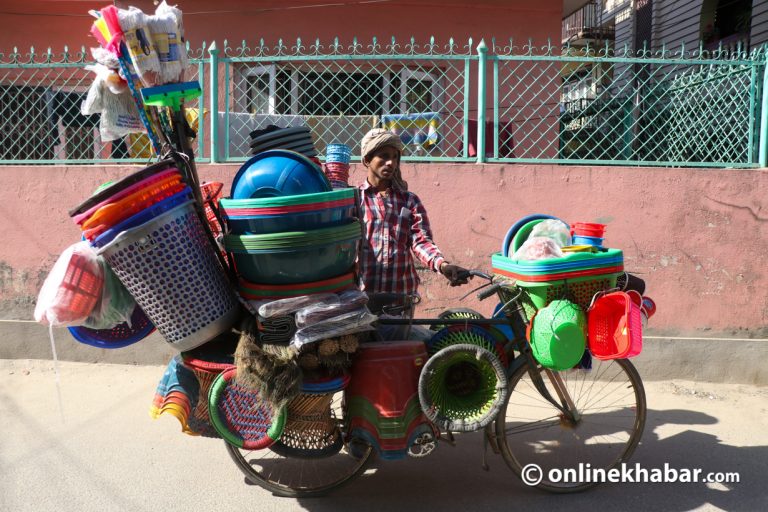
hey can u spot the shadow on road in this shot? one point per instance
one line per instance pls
(452, 477)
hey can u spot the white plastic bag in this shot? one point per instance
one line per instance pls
(72, 288)
(288, 306)
(347, 301)
(555, 229)
(355, 321)
(119, 114)
(538, 248)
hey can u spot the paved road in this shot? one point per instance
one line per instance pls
(106, 454)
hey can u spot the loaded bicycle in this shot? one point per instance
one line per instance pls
(591, 414)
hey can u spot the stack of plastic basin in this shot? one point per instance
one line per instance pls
(289, 234)
(295, 257)
(289, 213)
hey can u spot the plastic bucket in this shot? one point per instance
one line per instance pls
(588, 229)
(172, 271)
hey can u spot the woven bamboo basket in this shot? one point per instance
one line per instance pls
(311, 431)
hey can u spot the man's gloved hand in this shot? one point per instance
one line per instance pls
(455, 274)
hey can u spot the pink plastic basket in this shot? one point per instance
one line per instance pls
(614, 325)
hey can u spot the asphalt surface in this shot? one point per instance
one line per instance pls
(100, 451)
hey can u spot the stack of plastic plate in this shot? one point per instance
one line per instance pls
(296, 139)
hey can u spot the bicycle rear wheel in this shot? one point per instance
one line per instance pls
(610, 401)
(300, 477)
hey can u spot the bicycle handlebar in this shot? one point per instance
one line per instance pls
(490, 291)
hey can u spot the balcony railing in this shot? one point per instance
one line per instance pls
(586, 23)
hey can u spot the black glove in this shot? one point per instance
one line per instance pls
(455, 274)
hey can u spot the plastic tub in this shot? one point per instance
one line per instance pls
(297, 265)
(307, 200)
(505, 245)
(278, 173)
(588, 240)
(118, 336)
(293, 239)
(279, 222)
(260, 291)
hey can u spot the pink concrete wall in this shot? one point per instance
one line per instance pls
(55, 23)
(697, 236)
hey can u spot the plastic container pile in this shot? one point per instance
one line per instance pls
(576, 293)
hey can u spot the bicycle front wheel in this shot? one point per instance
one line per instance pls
(297, 476)
(610, 416)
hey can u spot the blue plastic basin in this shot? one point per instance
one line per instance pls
(278, 172)
(294, 266)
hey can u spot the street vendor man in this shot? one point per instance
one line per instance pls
(396, 224)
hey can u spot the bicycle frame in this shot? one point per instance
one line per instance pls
(515, 319)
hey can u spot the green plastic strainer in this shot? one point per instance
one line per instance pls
(558, 335)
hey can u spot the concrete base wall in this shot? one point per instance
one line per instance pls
(698, 237)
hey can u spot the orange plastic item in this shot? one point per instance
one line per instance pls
(211, 193)
(614, 327)
(72, 289)
(112, 213)
(143, 184)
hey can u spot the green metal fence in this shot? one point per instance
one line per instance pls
(452, 101)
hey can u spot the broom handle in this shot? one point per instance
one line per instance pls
(193, 180)
(137, 98)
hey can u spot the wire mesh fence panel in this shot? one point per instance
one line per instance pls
(43, 98)
(549, 104)
(340, 91)
(648, 108)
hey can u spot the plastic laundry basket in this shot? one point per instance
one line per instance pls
(172, 271)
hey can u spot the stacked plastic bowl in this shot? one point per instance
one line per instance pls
(149, 233)
(289, 233)
(337, 165)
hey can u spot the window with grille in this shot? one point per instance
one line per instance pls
(275, 90)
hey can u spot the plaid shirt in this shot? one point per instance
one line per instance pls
(396, 228)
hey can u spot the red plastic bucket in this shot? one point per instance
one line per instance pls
(588, 229)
